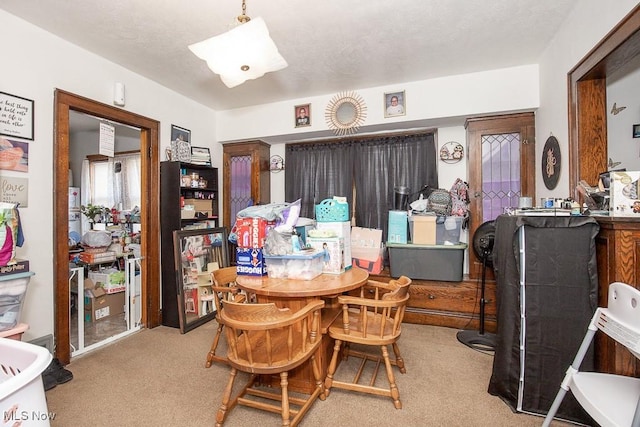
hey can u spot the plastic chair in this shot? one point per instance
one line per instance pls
(266, 340)
(223, 289)
(611, 400)
(373, 319)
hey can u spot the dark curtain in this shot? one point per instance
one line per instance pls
(318, 171)
(372, 166)
(386, 162)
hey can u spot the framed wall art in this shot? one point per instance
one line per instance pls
(636, 131)
(302, 115)
(180, 144)
(16, 116)
(394, 104)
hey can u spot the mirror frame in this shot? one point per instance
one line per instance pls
(180, 237)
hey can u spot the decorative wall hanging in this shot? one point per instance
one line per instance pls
(551, 163)
(180, 144)
(276, 163)
(615, 109)
(451, 152)
(16, 116)
(636, 131)
(394, 104)
(345, 113)
(302, 115)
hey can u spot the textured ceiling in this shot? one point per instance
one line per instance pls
(331, 45)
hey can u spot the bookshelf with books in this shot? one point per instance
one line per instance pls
(188, 199)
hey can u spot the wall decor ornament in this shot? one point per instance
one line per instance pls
(345, 113)
(551, 161)
(16, 116)
(451, 152)
(180, 144)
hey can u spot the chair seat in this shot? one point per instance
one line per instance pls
(371, 336)
(610, 399)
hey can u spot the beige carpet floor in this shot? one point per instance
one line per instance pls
(156, 377)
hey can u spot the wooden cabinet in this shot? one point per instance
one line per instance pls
(618, 252)
(172, 217)
(450, 304)
(246, 177)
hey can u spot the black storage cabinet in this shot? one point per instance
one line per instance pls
(541, 324)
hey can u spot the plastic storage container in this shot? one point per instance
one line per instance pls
(448, 229)
(427, 262)
(22, 398)
(303, 266)
(13, 288)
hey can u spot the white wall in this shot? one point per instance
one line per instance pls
(34, 64)
(588, 23)
(622, 146)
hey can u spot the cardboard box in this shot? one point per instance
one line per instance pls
(624, 194)
(199, 205)
(398, 226)
(250, 262)
(423, 229)
(366, 243)
(341, 229)
(252, 232)
(333, 248)
(427, 262)
(99, 305)
(111, 280)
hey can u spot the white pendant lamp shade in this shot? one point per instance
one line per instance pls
(244, 53)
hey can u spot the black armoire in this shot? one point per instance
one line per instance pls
(547, 292)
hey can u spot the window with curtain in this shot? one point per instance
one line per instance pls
(365, 170)
(115, 181)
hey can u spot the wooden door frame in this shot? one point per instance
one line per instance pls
(522, 123)
(149, 215)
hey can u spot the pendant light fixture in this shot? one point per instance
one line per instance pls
(243, 53)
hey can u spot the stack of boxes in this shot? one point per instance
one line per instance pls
(252, 232)
(332, 217)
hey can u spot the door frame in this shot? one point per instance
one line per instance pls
(522, 123)
(149, 215)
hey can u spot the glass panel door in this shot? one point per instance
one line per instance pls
(500, 174)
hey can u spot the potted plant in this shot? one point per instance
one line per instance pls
(93, 212)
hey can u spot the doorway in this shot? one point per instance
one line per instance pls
(501, 169)
(66, 102)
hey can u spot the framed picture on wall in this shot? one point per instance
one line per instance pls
(302, 115)
(636, 131)
(16, 116)
(394, 104)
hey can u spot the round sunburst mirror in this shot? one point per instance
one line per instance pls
(345, 113)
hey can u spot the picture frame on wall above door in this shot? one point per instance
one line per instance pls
(16, 116)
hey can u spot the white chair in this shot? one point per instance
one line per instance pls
(611, 400)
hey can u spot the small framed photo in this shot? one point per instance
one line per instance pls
(636, 131)
(302, 115)
(16, 116)
(200, 156)
(394, 104)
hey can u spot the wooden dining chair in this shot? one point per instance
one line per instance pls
(223, 289)
(266, 340)
(373, 319)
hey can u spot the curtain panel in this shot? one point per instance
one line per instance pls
(364, 170)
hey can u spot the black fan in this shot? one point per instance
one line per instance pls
(483, 240)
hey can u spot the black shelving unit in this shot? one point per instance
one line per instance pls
(172, 192)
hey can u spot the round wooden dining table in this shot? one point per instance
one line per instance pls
(295, 294)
